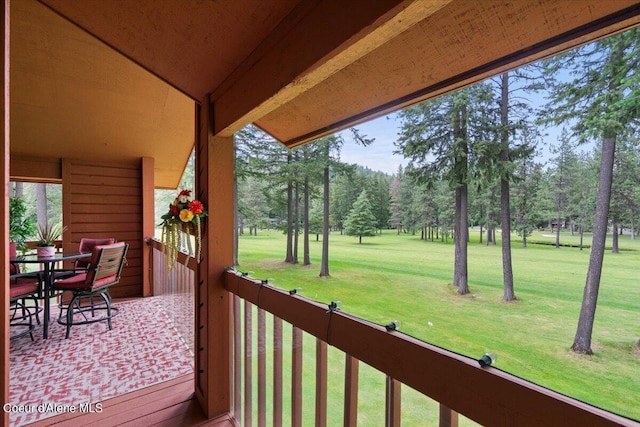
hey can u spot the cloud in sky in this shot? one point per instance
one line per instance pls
(379, 155)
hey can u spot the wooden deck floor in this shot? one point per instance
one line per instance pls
(168, 404)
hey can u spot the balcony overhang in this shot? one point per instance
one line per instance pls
(117, 80)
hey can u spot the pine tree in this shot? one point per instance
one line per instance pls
(601, 102)
(361, 221)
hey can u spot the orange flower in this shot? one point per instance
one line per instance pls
(186, 215)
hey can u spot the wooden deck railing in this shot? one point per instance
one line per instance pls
(274, 383)
(177, 287)
(296, 361)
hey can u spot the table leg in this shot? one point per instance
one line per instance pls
(48, 278)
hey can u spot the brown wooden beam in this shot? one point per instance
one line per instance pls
(214, 187)
(148, 221)
(4, 211)
(35, 169)
(340, 33)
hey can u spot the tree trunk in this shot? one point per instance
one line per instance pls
(306, 258)
(582, 340)
(41, 204)
(505, 210)
(614, 244)
(324, 263)
(18, 189)
(558, 232)
(296, 219)
(289, 256)
(460, 278)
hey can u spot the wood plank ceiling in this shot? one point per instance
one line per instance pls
(297, 69)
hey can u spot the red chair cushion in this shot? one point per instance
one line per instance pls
(74, 282)
(23, 288)
(87, 245)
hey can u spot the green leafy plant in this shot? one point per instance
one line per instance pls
(48, 234)
(21, 228)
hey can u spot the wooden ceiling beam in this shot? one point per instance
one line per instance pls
(311, 44)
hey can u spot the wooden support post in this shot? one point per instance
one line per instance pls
(448, 417)
(277, 371)
(214, 187)
(248, 363)
(262, 368)
(392, 410)
(296, 378)
(351, 368)
(148, 221)
(321, 383)
(237, 360)
(4, 211)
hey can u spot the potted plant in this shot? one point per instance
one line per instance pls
(21, 228)
(46, 238)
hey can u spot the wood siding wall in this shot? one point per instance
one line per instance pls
(102, 200)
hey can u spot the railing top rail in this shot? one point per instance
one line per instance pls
(488, 396)
(183, 258)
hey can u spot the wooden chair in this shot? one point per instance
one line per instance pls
(103, 272)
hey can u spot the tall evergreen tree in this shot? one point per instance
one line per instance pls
(600, 100)
(437, 137)
(563, 177)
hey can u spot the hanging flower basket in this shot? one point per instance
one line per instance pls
(184, 217)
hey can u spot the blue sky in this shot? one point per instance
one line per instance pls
(379, 155)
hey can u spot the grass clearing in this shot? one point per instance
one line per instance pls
(401, 277)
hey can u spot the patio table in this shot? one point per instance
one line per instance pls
(48, 278)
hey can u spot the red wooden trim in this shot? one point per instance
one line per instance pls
(448, 417)
(148, 221)
(488, 396)
(248, 362)
(296, 378)
(351, 368)
(4, 211)
(66, 206)
(262, 369)
(237, 359)
(392, 406)
(277, 371)
(321, 383)
(214, 187)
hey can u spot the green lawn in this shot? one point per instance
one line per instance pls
(401, 277)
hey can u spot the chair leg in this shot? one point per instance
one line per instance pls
(70, 315)
(108, 303)
(21, 313)
(37, 310)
